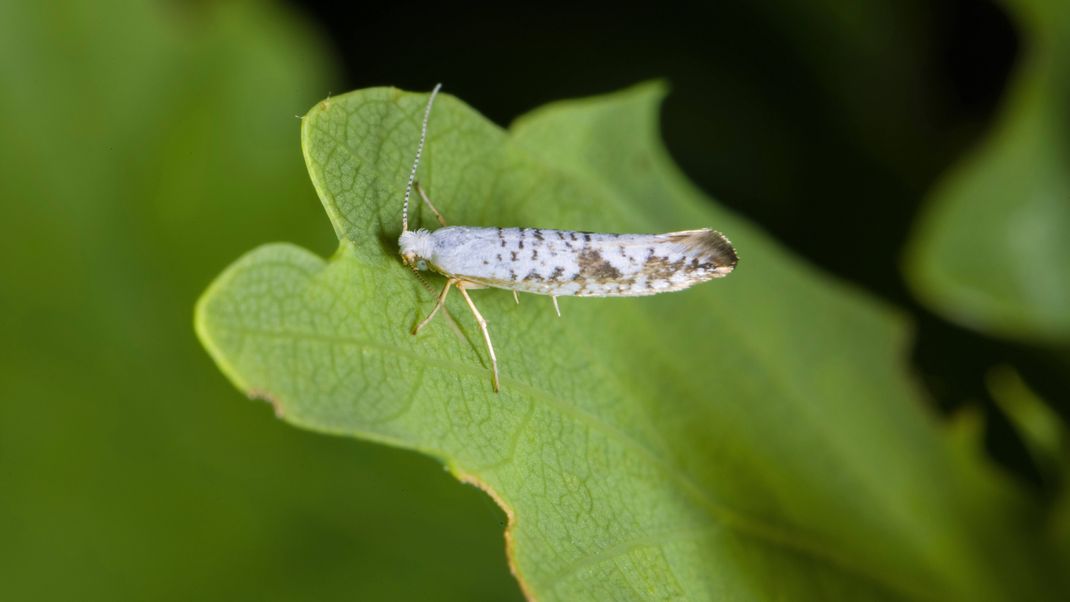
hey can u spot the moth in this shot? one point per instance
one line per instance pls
(556, 263)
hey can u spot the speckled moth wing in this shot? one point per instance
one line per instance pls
(562, 262)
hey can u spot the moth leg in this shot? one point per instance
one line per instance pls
(516, 297)
(556, 308)
(486, 335)
(423, 195)
(438, 306)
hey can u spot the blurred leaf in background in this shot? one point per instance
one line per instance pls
(145, 144)
(992, 250)
(757, 438)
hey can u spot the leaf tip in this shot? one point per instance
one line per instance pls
(209, 322)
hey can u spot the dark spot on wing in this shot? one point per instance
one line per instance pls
(534, 254)
(514, 255)
(595, 267)
(521, 243)
(538, 234)
(557, 273)
(660, 268)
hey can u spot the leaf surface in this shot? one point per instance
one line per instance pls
(754, 438)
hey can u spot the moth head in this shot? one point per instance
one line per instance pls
(416, 247)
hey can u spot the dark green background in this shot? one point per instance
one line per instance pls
(147, 144)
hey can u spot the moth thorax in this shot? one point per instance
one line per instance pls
(416, 245)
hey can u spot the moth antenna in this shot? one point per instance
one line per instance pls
(416, 163)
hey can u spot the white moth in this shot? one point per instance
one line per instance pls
(555, 262)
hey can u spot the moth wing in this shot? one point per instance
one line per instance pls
(562, 263)
(648, 264)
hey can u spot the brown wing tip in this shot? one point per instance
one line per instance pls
(712, 244)
(721, 249)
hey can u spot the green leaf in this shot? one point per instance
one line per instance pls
(991, 251)
(753, 438)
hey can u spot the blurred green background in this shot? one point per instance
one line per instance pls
(148, 144)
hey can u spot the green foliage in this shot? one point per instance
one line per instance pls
(755, 438)
(992, 251)
(144, 145)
